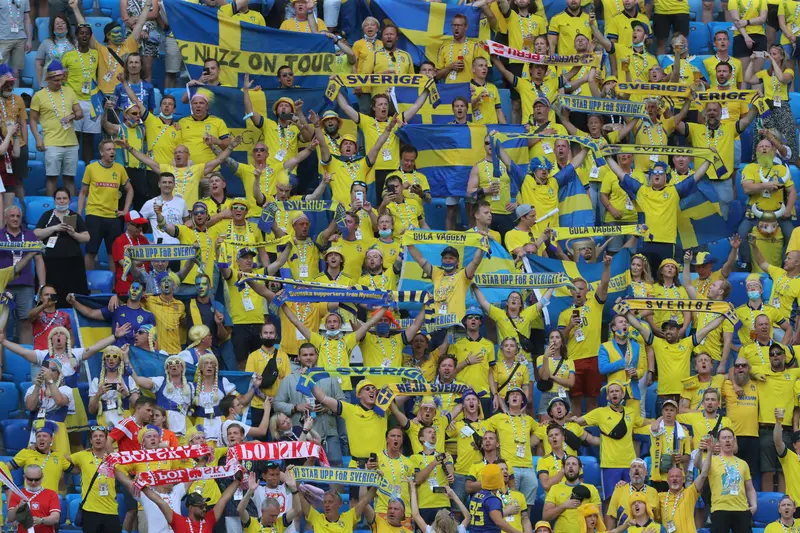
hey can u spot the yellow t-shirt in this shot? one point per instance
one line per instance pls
(680, 509)
(104, 184)
(589, 330)
(365, 428)
(570, 519)
(640, 65)
(728, 494)
(694, 389)
(468, 455)
(256, 363)
(770, 84)
(665, 443)
(528, 93)
(791, 469)
(162, 139)
(518, 27)
(486, 111)
(516, 239)
(791, 12)
(618, 507)
(671, 7)
(317, 520)
(53, 465)
(335, 353)
(567, 368)
(660, 209)
(450, 292)
(757, 354)
(389, 154)
(344, 174)
(486, 178)
(748, 10)
(501, 372)
(546, 148)
(514, 434)
(618, 198)
(747, 316)
(742, 410)
(541, 434)
(387, 281)
(104, 490)
(52, 107)
(304, 260)
(476, 375)
(713, 343)
(778, 391)
(191, 136)
(396, 472)
(566, 27)
(439, 424)
(509, 498)
(654, 135)
(452, 51)
(268, 183)
(383, 351)
(721, 139)
(407, 215)
(309, 314)
(201, 238)
(544, 197)
(413, 178)
(673, 363)
(619, 26)
(615, 453)
(438, 478)
(785, 290)
(381, 61)
(737, 74)
(363, 49)
(768, 201)
(508, 327)
(302, 26)
(246, 306)
(170, 317)
(702, 426)
(108, 67)
(251, 16)
(82, 70)
(187, 181)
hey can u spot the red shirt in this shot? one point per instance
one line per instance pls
(180, 524)
(42, 504)
(117, 253)
(46, 322)
(126, 435)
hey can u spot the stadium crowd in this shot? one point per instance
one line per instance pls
(661, 416)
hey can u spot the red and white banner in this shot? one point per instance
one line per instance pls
(576, 60)
(147, 456)
(184, 475)
(9, 483)
(275, 451)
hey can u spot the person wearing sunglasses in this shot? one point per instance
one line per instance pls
(740, 394)
(47, 511)
(100, 509)
(110, 394)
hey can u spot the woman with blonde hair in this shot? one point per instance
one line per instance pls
(172, 391)
(639, 277)
(511, 371)
(668, 285)
(209, 390)
(201, 342)
(443, 522)
(110, 394)
(51, 402)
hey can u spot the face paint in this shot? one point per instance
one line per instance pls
(135, 291)
(203, 286)
(116, 36)
(166, 286)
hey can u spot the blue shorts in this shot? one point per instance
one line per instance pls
(609, 477)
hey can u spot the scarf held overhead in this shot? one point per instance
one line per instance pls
(676, 90)
(184, 475)
(449, 238)
(576, 60)
(679, 305)
(603, 106)
(601, 231)
(271, 210)
(706, 154)
(352, 296)
(498, 139)
(274, 451)
(148, 456)
(343, 476)
(157, 252)
(421, 81)
(542, 280)
(388, 392)
(307, 381)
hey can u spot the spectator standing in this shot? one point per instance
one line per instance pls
(454, 59)
(81, 64)
(304, 20)
(151, 33)
(55, 46)
(22, 288)
(46, 511)
(63, 231)
(44, 317)
(16, 33)
(135, 224)
(99, 194)
(56, 108)
(197, 127)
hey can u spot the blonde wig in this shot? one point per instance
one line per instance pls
(198, 378)
(170, 387)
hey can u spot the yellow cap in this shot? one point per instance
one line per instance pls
(348, 137)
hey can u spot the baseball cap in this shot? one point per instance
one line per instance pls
(245, 251)
(196, 499)
(522, 210)
(671, 402)
(449, 250)
(670, 324)
(134, 217)
(641, 24)
(542, 100)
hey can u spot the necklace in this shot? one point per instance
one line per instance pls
(522, 437)
(339, 343)
(53, 102)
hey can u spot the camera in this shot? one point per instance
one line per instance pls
(113, 386)
(286, 116)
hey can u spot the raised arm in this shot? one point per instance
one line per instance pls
(143, 158)
(361, 332)
(372, 155)
(423, 263)
(301, 327)
(687, 275)
(472, 267)
(347, 109)
(222, 156)
(162, 505)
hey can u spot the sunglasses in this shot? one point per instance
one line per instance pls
(273, 464)
(661, 172)
(141, 332)
(33, 479)
(112, 356)
(98, 428)
(239, 208)
(84, 25)
(173, 363)
(259, 149)
(740, 365)
(200, 212)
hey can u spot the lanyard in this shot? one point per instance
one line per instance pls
(522, 437)
(463, 53)
(87, 73)
(674, 506)
(63, 103)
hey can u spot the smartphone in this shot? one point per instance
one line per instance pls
(360, 195)
(576, 313)
(392, 189)
(113, 386)
(206, 71)
(373, 457)
(286, 116)
(439, 490)
(303, 419)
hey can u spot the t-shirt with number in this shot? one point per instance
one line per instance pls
(481, 506)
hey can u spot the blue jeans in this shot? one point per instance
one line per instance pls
(459, 486)
(724, 190)
(527, 483)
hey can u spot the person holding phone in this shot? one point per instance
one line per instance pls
(44, 317)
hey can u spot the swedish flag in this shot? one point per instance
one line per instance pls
(427, 114)
(700, 219)
(241, 48)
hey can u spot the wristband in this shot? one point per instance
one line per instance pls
(247, 116)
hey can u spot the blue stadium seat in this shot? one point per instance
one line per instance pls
(28, 74)
(102, 257)
(794, 101)
(436, 213)
(98, 23)
(9, 400)
(121, 506)
(181, 109)
(698, 38)
(34, 207)
(767, 508)
(695, 13)
(42, 27)
(591, 470)
(110, 8)
(35, 182)
(14, 365)
(650, 401)
(23, 90)
(505, 102)
(16, 434)
(714, 27)
(64, 510)
(101, 281)
(158, 98)
(74, 503)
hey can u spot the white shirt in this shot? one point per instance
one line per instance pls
(113, 416)
(175, 419)
(174, 213)
(156, 523)
(282, 494)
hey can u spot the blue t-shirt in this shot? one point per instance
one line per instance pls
(136, 318)
(481, 505)
(144, 91)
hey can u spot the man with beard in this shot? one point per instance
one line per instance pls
(618, 507)
(741, 402)
(376, 276)
(717, 134)
(617, 424)
(707, 418)
(396, 469)
(366, 429)
(130, 312)
(516, 432)
(390, 60)
(562, 500)
(170, 314)
(331, 124)
(384, 347)
(273, 518)
(295, 404)
(450, 283)
(453, 58)
(490, 449)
